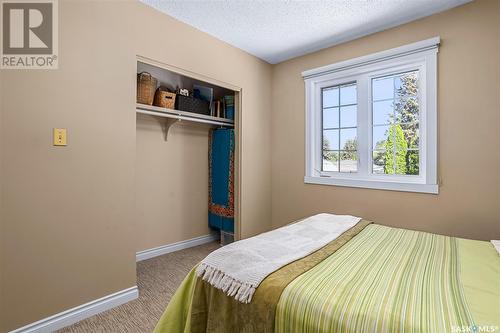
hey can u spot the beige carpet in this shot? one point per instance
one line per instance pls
(157, 279)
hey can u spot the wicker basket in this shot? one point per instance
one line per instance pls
(146, 86)
(164, 99)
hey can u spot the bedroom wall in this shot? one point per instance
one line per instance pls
(171, 183)
(468, 204)
(69, 222)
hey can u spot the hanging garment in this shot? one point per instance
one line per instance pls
(221, 180)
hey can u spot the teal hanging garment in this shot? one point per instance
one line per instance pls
(221, 180)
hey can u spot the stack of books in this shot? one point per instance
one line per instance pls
(229, 107)
(224, 108)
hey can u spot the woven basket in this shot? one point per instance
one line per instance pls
(164, 98)
(191, 104)
(146, 86)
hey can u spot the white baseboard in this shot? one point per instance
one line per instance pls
(81, 312)
(160, 250)
(89, 309)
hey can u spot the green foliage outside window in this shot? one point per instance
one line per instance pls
(395, 151)
(327, 154)
(402, 160)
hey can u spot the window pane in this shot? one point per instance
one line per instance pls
(340, 128)
(397, 83)
(383, 88)
(399, 162)
(412, 162)
(378, 162)
(331, 140)
(386, 162)
(406, 105)
(396, 160)
(383, 112)
(406, 84)
(348, 94)
(348, 161)
(331, 118)
(330, 160)
(406, 109)
(411, 134)
(330, 97)
(348, 139)
(348, 115)
(380, 134)
(396, 145)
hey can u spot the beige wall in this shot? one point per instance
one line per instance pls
(69, 224)
(468, 204)
(171, 183)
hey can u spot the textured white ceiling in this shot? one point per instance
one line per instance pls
(277, 30)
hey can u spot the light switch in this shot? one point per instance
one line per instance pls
(60, 137)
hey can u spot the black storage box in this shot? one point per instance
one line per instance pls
(190, 104)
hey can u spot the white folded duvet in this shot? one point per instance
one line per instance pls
(239, 268)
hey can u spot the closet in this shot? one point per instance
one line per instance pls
(178, 97)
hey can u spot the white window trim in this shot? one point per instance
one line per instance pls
(421, 55)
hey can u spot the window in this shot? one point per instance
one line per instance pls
(371, 121)
(339, 128)
(395, 114)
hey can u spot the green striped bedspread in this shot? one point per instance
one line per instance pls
(393, 280)
(382, 280)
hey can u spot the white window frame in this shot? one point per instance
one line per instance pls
(421, 56)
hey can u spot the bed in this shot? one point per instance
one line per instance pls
(372, 278)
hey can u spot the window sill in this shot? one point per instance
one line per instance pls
(374, 184)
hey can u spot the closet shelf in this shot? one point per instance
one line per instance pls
(172, 116)
(183, 115)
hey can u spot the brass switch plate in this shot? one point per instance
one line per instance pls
(60, 137)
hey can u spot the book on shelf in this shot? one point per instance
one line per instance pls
(229, 106)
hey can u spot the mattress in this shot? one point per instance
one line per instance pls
(371, 279)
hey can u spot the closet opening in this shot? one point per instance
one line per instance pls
(199, 121)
